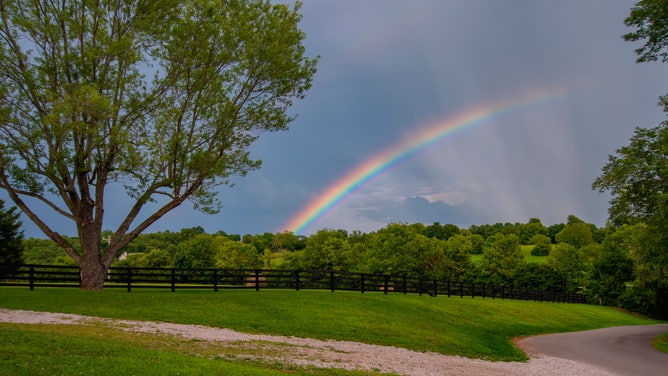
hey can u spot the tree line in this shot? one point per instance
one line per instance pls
(608, 265)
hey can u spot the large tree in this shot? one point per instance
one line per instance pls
(637, 176)
(162, 98)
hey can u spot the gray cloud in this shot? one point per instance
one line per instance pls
(388, 68)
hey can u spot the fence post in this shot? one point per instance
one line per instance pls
(331, 281)
(449, 288)
(435, 287)
(461, 289)
(257, 279)
(32, 277)
(362, 287)
(472, 289)
(128, 278)
(386, 283)
(173, 279)
(297, 280)
(215, 280)
(420, 286)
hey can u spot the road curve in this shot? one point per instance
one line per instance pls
(623, 350)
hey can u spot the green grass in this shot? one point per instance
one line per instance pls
(526, 252)
(473, 328)
(80, 350)
(661, 343)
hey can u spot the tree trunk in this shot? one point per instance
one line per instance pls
(92, 267)
(92, 273)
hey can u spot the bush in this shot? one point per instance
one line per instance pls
(639, 300)
(542, 245)
(541, 250)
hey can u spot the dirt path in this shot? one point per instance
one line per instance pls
(330, 354)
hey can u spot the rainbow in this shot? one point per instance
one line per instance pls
(405, 149)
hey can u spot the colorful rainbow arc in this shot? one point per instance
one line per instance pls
(386, 159)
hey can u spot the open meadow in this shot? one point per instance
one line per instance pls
(474, 328)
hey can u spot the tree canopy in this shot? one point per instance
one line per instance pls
(637, 175)
(162, 98)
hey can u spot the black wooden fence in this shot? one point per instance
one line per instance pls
(216, 279)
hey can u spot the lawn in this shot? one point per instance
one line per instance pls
(476, 328)
(83, 350)
(526, 252)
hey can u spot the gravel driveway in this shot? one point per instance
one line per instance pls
(326, 353)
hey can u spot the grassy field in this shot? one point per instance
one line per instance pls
(468, 327)
(526, 251)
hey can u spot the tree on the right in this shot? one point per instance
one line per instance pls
(636, 176)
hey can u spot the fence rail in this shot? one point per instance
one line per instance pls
(216, 279)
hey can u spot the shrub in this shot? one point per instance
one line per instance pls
(637, 299)
(542, 245)
(541, 249)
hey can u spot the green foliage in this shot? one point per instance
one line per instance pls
(236, 255)
(260, 242)
(156, 258)
(457, 261)
(648, 17)
(441, 232)
(327, 250)
(542, 245)
(501, 258)
(538, 276)
(610, 273)
(553, 230)
(198, 252)
(567, 261)
(286, 241)
(639, 300)
(399, 249)
(44, 252)
(11, 249)
(530, 230)
(476, 243)
(637, 176)
(578, 234)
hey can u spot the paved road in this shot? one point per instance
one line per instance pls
(624, 350)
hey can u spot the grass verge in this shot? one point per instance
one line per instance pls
(80, 350)
(661, 343)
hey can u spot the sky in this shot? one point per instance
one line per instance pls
(451, 111)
